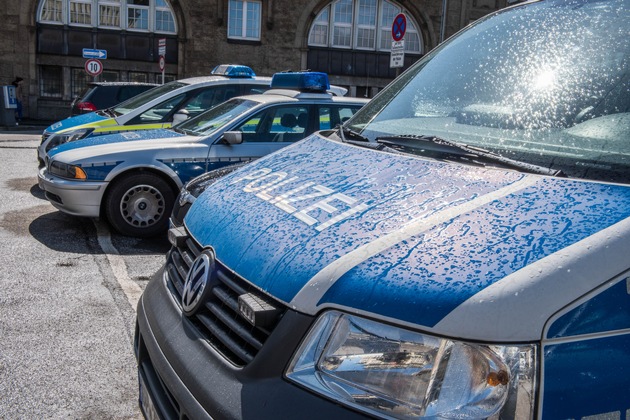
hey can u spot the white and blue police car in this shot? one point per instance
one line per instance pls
(457, 249)
(132, 178)
(158, 107)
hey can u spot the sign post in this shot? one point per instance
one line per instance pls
(397, 55)
(162, 54)
(93, 66)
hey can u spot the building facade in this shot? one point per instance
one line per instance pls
(46, 41)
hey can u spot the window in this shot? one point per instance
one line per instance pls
(361, 25)
(278, 124)
(163, 18)
(138, 14)
(244, 19)
(319, 31)
(135, 76)
(332, 116)
(133, 15)
(51, 11)
(366, 24)
(109, 13)
(81, 12)
(342, 23)
(159, 113)
(51, 81)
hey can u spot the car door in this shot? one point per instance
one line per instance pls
(264, 132)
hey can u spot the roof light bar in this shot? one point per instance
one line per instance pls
(233, 70)
(306, 81)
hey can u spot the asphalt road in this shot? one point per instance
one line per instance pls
(68, 294)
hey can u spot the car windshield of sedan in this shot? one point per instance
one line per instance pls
(146, 97)
(216, 117)
(548, 89)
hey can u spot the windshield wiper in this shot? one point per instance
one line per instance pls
(440, 148)
(109, 112)
(344, 131)
(361, 141)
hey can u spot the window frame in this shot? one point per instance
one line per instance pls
(89, 15)
(54, 11)
(47, 10)
(244, 20)
(380, 29)
(48, 84)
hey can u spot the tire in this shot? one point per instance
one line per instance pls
(139, 204)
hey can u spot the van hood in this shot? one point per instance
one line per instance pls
(91, 119)
(112, 139)
(323, 224)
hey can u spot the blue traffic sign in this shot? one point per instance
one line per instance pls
(399, 26)
(91, 53)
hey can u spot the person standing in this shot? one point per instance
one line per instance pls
(18, 97)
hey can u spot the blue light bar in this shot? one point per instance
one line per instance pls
(306, 81)
(233, 70)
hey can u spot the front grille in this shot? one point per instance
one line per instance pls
(220, 321)
(53, 197)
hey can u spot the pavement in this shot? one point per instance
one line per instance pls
(28, 125)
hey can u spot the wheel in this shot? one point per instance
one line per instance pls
(139, 204)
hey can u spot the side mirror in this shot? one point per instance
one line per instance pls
(233, 137)
(180, 116)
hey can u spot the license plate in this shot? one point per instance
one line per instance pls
(146, 404)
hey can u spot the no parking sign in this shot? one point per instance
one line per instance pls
(399, 26)
(397, 53)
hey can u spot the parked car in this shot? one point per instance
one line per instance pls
(101, 95)
(157, 107)
(457, 249)
(132, 178)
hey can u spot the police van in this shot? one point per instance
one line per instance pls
(457, 249)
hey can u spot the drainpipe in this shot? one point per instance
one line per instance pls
(443, 26)
(270, 14)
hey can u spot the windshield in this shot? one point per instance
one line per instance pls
(145, 97)
(211, 120)
(546, 83)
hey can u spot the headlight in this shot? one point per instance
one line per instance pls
(57, 139)
(392, 372)
(65, 170)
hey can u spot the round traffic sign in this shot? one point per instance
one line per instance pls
(162, 63)
(399, 26)
(93, 67)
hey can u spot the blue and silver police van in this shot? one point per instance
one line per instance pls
(460, 248)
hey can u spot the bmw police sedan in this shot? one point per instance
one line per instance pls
(458, 249)
(157, 107)
(132, 178)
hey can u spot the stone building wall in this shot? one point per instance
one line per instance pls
(203, 43)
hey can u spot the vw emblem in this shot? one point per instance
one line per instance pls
(196, 286)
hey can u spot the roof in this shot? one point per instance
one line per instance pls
(121, 84)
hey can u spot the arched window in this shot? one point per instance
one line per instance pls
(131, 15)
(361, 25)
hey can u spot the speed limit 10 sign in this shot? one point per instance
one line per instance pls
(93, 67)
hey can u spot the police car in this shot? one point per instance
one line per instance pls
(132, 178)
(158, 107)
(458, 249)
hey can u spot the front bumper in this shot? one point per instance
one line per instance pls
(77, 198)
(187, 378)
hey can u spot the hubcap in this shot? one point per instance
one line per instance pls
(142, 206)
